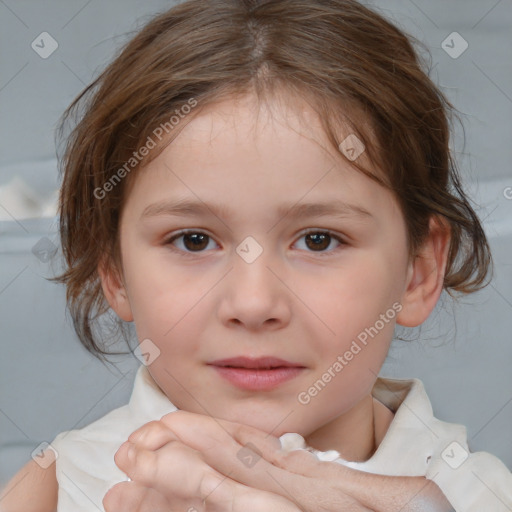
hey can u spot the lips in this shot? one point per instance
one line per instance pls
(256, 374)
(260, 363)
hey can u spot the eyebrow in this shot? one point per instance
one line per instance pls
(188, 207)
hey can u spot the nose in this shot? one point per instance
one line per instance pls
(253, 297)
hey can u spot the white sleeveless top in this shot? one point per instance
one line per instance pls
(416, 444)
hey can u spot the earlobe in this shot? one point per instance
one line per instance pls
(115, 292)
(426, 276)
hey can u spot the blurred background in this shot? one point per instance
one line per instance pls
(51, 50)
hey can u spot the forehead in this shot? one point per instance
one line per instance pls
(231, 139)
(237, 117)
(247, 116)
(257, 158)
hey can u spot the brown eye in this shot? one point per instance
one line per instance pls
(319, 241)
(193, 241)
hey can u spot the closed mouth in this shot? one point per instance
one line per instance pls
(260, 363)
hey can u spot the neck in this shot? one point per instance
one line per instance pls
(353, 434)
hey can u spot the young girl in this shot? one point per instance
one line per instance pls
(265, 190)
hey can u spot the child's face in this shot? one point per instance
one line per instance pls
(304, 299)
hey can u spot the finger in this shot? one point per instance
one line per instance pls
(203, 433)
(189, 426)
(179, 473)
(134, 497)
(254, 458)
(301, 462)
(152, 435)
(251, 464)
(174, 469)
(236, 497)
(155, 434)
(297, 476)
(198, 431)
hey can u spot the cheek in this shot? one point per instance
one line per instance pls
(356, 303)
(163, 299)
(352, 297)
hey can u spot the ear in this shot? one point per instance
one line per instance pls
(425, 275)
(115, 291)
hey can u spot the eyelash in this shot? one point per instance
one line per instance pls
(186, 253)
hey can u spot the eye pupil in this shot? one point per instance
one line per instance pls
(199, 241)
(320, 240)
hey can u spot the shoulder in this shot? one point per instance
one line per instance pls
(77, 452)
(32, 489)
(91, 448)
(39, 487)
(85, 466)
(110, 429)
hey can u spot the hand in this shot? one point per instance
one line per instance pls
(169, 475)
(193, 462)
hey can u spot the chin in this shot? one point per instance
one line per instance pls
(272, 422)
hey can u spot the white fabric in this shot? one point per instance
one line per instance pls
(413, 446)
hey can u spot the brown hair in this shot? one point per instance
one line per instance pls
(343, 57)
